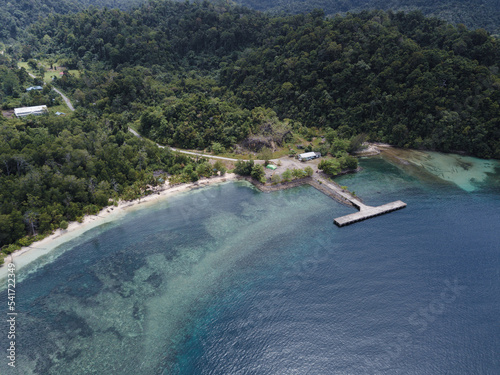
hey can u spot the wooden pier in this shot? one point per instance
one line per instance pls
(334, 191)
(365, 211)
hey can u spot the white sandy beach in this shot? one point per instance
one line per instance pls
(28, 254)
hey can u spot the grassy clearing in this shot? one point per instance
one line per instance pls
(49, 74)
(48, 79)
(59, 108)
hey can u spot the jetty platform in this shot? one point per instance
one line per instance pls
(334, 191)
(365, 211)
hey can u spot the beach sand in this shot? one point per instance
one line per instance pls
(37, 249)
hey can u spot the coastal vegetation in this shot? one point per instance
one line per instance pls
(223, 78)
(58, 169)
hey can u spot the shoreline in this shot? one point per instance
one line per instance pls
(28, 254)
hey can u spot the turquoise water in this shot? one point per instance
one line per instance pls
(228, 280)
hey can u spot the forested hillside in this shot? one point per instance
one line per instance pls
(400, 78)
(473, 13)
(16, 15)
(164, 33)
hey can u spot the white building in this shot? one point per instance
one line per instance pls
(34, 88)
(309, 156)
(31, 111)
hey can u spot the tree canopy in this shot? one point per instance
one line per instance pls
(205, 75)
(203, 68)
(473, 13)
(17, 15)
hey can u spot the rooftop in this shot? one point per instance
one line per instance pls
(26, 111)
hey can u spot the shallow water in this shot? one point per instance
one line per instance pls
(228, 280)
(466, 172)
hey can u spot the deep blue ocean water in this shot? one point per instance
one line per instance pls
(228, 280)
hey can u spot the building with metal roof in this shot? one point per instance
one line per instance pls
(309, 156)
(31, 111)
(34, 88)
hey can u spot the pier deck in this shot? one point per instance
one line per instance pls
(334, 191)
(365, 211)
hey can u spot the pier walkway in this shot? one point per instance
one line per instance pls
(365, 211)
(334, 191)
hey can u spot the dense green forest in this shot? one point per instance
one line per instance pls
(202, 69)
(169, 34)
(210, 76)
(16, 15)
(13, 81)
(472, 13)
(58, 169)
(421, 86)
